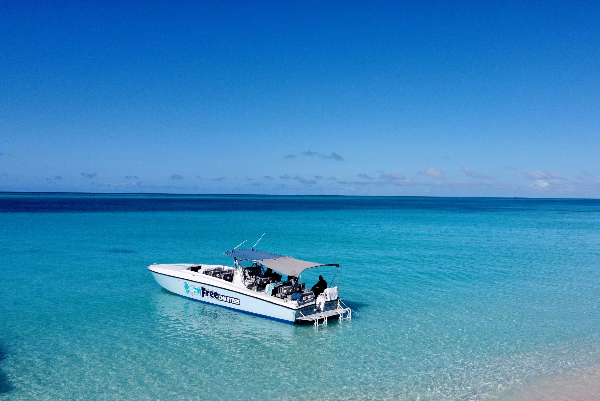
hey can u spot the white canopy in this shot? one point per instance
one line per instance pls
(282, 264)
(287, 265)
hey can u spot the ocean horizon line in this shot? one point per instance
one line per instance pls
(286, 195)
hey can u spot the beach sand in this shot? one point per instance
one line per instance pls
(581, 385)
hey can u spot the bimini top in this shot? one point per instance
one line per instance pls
(279, 263)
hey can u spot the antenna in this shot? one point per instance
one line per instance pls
(258, 241)
(240, 245)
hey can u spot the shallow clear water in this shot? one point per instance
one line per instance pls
(456, 298)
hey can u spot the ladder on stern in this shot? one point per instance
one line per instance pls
(341, 312)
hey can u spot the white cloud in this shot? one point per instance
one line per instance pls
(552, 182)
(433, 173)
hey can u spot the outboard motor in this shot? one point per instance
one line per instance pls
(320, 302)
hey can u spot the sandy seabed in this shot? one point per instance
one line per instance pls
(581, 385)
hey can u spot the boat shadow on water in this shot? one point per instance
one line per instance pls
(5, 385)
(180, 316)
(183, 316)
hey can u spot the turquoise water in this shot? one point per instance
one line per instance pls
(456, 298)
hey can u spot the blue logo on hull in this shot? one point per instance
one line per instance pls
(203, 292)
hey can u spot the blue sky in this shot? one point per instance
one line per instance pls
(384, 98)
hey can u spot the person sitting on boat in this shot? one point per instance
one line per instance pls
(319, 287)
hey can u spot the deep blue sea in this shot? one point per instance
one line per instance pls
(456, 298)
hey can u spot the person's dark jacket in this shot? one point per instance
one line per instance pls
(319, 287)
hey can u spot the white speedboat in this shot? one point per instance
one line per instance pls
(259, 288)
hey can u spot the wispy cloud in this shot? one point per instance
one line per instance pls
(285, 177)
(304, 181)
(395, 179)
(257, 184)
(361, 183)
(559, 185)
(131, 177)
(320, 177)
(547, 181)
(433, 173)
(366, 176)
(119, 185)
(473, 174)
(540, 175)
(55, 178)
(512, 168)
(290, 156)
(88, 175)
(331, 156)
(176, 177)
(267, 177)
(585, 176)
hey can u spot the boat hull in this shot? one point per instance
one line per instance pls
(203, 292)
